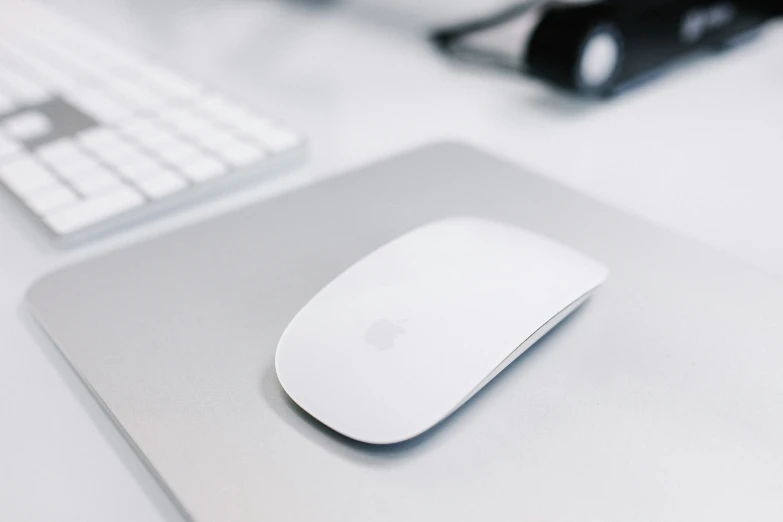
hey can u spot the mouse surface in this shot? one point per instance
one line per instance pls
(406, 335)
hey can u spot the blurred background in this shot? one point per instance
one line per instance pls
(696, 149)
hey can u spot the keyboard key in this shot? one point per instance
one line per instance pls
(240, 154)
(93, 210)
(221, 108)
(102, 53)
(174, 116)
(129, 92)
(28, 125)
(139, 169)
(61, 152)
(101, 139)
(203, 169)
(76, 170)
(6, 104)
(24, 176)
(95, 181)
(8, 147)
(25, 90)
(197, 129)
(273, 138)
(146, 173)
(158, 140)
(162, 184)
(164, 144)
(246, 122)
(186, 123)
(170, 82)
(143, 131)
(110, 148)
(215, 138)
(51, 198)
(177, 154)
(49, 74)
(102, 107)
(72, 61)
(106, 110)
(122, 156)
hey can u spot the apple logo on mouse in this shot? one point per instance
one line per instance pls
(382, 334)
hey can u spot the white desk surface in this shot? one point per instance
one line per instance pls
(698, 150)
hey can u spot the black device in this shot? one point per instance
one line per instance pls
(601, 47)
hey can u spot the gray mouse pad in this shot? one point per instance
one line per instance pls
(660, 399)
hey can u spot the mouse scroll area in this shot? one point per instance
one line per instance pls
(406, 335)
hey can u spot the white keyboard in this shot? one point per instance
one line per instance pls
(92, 135)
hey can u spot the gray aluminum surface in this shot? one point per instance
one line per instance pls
(660, 399)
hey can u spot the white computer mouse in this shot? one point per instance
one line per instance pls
(406, 335)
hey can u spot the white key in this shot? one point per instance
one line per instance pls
(174, 116)
(49, 74)
(8, 147)
(107, 111)
(119, 158)
(89, 49)
(25, 175)
(256, 126)
(6, 104)
(171, 82)
(193, 126)
(204, 169)
(35, 97)
(221, 108)
(183, 121)
(206, 133)
(61, 152)
(240, 154)
(101, 138)
(72, 60)
(140, 169)
(50, 199)
(157, 139)
(46, 73)
(133, 94)
(119, 155)
(168, 143)
(26, 90)
(177, 154)
(121, 58)
(115, 152)
(23, 69)
(76, 170)
(28, 125)
(93, 210)
(66, 82)
(94, 182)
(143, 130)
(273, 138)
(161, 185)
(215, 138)
(101, 107)
(240, 120)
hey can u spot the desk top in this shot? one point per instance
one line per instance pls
(698, 151)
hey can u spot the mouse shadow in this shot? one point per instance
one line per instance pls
(374, 454)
